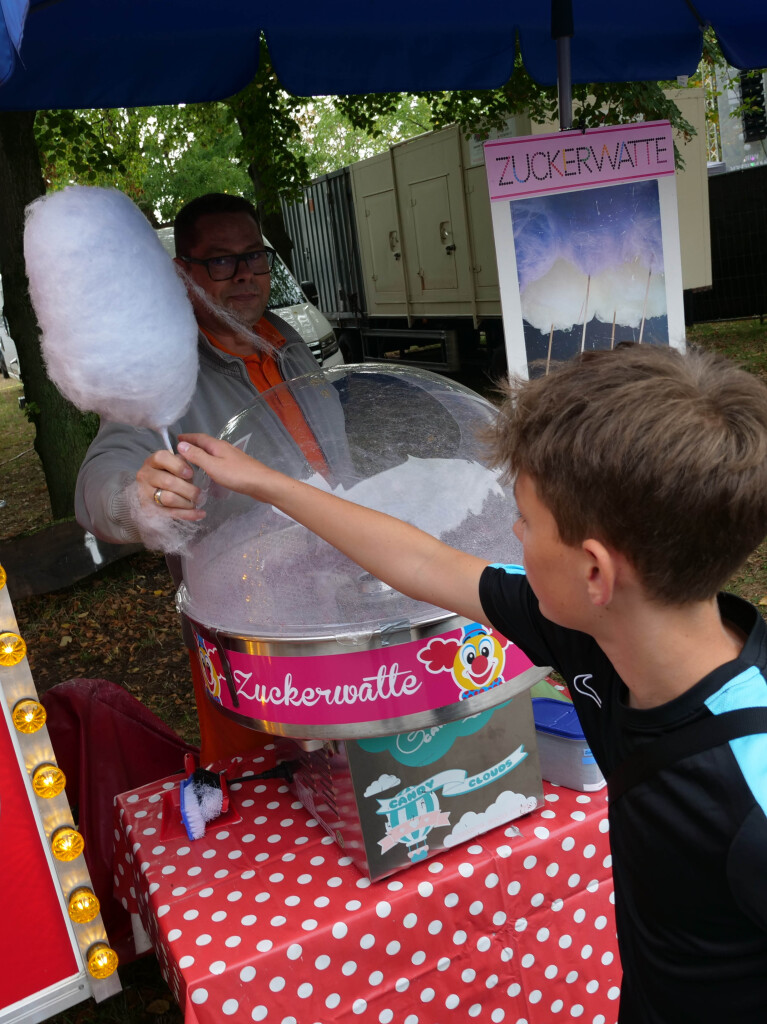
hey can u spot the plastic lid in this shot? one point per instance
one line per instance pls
(557, 717)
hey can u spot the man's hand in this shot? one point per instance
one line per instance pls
(165, 481)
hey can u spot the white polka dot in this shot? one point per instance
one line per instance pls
(190, 915)
(465, 870)
(264, 945)
(498, 1015)
(527, 960)
(203, 940)
(199, 995)
(578, 815)
(608, 861)
(468, 975)
(277, 984)
(349, 968)
(247, 973)
(535, 996)
(402, 984)
(475, 1009)
(259, 1013)
(568, 843)
(599, 1019)
(520, 924)
(217, 967)
(248, 920)
(234, 896)
(551, 971)
(219, 915)
(589, 851)
(503, 851)
(443, 963)
(576, 1011)
(427, 995)
(565, 941)
(540, 832)
(278, 922)
(607, 959)
(206, 892)
(579, 916)
(375, 978)
(359, 1006)
(557, 905)
(383, 909)
(571, 976)
(353, 905)
(157, 850)
(339, 930)
(410, 920)
(309, 924)
(573, 880)
(492, 981)
(529, 862)
(604, 825)
(451, 900)
(385, 1017)
(600, 923)
(513, 888)
(368, 941)
(304, 990)
(459, 938)
(294, 951)
(322, 962)
(552, 870)
(476, 907)
(178, 891)
(542, 934)
(425, 889)
(452, 1001)
(435, 927)
(586, 952)
(513, 990)
(332, 1000)
(418, 957)
(537, 899)
(163, 910)
(173, 934)
(592, 987)
(483, 944)
(499, 918)
(557, 1005)
(186, 961)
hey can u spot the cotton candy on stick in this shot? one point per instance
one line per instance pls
(118, 332)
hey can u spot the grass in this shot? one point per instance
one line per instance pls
(122, 626)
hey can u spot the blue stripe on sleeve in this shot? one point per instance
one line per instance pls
(747, 690)
(512, 570)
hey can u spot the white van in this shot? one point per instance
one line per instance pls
(9, 358)
(290, 303)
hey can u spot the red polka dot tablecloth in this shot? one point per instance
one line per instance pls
(265, 919)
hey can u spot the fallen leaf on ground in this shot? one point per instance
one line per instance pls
(66, 639)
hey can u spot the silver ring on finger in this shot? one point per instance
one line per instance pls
(158, 497)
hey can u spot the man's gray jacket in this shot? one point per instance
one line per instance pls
(223, 389)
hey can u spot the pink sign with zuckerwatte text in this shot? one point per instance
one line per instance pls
(551, 163)
(362, 686)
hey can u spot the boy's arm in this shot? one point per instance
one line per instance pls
(401, 555)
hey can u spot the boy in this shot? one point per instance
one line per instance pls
(641, 482)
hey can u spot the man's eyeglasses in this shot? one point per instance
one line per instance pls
(223, 268)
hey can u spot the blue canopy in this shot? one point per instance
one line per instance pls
(102, 53)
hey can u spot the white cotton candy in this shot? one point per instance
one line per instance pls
(118, 333)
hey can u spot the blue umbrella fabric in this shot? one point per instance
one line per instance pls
(88, 53)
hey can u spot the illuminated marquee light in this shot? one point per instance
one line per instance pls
(83, 905)
(12, 649)
(102, 960)
(48, 780)
(28, 715)
(67, 843)
(3, 577)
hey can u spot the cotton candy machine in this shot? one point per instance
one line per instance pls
(295, 639)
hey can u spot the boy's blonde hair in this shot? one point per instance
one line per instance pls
(658, 454)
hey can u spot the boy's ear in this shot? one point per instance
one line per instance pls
(601, 572)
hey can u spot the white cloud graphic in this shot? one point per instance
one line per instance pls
(508, 805)
(382, 783)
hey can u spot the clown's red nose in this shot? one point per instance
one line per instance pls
(479, 665)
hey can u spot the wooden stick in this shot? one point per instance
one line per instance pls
(548, 357)
(612, 336)
(644, 308)
(585, 313)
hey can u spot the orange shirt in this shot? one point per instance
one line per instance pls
(220, 737)
(264, 374)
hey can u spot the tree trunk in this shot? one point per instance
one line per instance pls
(62, 432)
(272, 222)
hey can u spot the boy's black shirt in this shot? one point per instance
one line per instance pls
(690, 844)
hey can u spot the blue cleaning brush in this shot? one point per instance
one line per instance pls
(201, 800)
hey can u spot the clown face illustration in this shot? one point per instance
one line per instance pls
(479, 661)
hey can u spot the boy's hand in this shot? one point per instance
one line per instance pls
(226, 464)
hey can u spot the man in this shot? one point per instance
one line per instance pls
(127, 475)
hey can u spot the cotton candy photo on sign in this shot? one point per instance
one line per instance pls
(590, 269)
(119, 336)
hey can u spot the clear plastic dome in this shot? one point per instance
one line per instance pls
(401, 440)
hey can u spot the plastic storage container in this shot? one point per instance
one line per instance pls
(564, 754)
